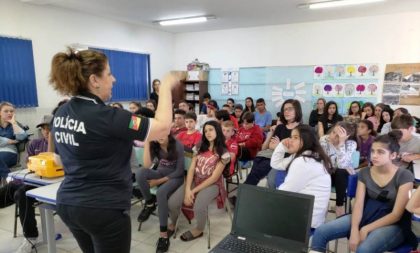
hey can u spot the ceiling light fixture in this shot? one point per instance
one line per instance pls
(183, 21)
(336, 3)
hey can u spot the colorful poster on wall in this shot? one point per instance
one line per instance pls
(304, 83)
(402, 84)
(345, 82)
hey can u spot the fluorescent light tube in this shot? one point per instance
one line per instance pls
(183, 21)
(339, 3)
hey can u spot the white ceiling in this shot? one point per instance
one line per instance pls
(229, 13)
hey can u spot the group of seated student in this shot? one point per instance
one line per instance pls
(134, 106)
(203, 184)
(326, 115)
(311, 159)
(14, 191)
(379, 221)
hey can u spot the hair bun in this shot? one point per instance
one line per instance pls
(73, 54)
(395, 135)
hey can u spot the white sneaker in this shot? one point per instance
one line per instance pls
(27, 245)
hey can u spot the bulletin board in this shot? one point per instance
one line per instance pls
(306, 83)
(402, 84)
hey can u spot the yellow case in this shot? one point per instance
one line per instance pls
(43, 165)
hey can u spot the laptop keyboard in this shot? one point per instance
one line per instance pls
(236, 245)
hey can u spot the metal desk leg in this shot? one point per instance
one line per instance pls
(49, 233)
(43, 224)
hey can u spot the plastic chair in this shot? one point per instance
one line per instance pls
(280, 176)
(207, 220)
(229, 178)
(351, 190)
(245, 165)
(355, 159)
(139, 154)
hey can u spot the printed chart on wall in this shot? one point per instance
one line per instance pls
(402, 84)
(230, 82)
(345, 83)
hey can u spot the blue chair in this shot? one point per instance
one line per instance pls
(351, 190)
(281, 175)
(355, 159)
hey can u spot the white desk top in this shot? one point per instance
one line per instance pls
(33, 179)
(46, 194)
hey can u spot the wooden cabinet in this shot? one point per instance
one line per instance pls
(191, 91)
(194, 91)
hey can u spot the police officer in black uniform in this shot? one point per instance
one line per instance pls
(94, 143)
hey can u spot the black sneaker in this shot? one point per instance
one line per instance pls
(162, 245)
(146, 212)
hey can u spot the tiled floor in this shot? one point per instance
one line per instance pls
(143, 241)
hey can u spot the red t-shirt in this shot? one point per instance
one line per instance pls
(189, 140)
(175, 131)
(235, 122)
(232, 146)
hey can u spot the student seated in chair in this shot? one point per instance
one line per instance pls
(340, 144)
(365, 136)
(249, 138)
(308, 169)
(289, 117)
(192, 136)
(179, 122)
(263, 117)
(10, 134)
(228, 128)
(204, 180)
(168, 153)
(409, 143)
(379, 221)
(16, 192)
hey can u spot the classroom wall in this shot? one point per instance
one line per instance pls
(377, 39)
(52, 29)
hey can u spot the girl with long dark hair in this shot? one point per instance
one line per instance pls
(204, 180)
(168, 154)
(329, 118)
(308, 169)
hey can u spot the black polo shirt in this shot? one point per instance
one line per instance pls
(95, 143)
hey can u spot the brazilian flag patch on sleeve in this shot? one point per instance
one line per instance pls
(134, 123)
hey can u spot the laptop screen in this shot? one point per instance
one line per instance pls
(265, 213)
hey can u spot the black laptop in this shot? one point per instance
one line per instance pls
(269, 221)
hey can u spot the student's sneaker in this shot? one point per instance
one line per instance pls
(162, 245)
(27, 245)
(146, 212)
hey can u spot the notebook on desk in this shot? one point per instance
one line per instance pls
(269, 221)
